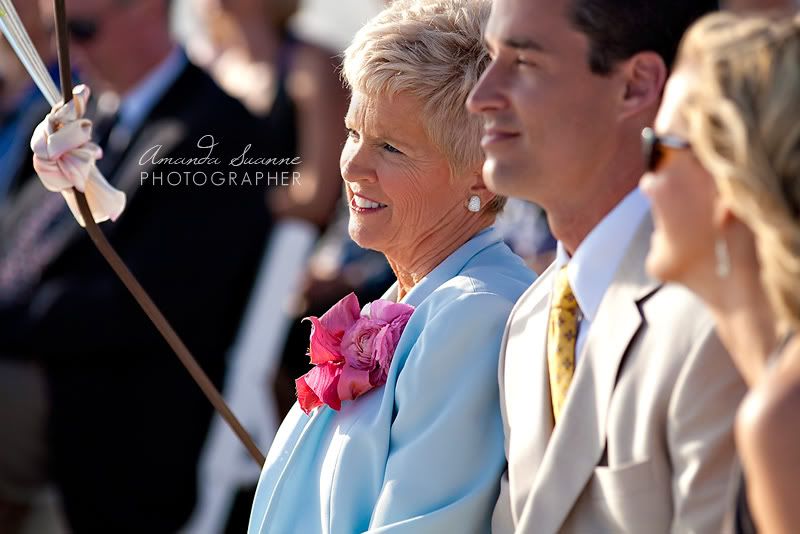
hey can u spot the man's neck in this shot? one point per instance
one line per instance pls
(570, 223)
(145, 63)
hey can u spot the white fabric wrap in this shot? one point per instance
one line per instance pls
(64, 158)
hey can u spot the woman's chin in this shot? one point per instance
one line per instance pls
(661, 262)
(368, 238)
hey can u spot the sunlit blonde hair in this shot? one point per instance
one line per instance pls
(744, 120)
(432, 50)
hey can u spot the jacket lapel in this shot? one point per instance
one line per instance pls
(578, 441)
(525, 385)
(165, 133)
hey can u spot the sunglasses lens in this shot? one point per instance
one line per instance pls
(82, 31)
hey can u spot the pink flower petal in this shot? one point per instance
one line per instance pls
(342, 315)
(385, 345)
(353, 383)
(305, 395)
(388, 311)
(327, 331)
(358, 342)
(322, 380)
(325, 345)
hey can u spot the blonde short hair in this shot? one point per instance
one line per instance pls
(432, 50)
(744, 124)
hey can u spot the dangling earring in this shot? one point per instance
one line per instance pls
(723, 258)
(474, 204)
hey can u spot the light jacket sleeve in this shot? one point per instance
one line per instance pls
(701, 415)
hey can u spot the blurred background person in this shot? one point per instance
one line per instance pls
(724, 183)
(524, 228)
(23, 474)
(21, 104)
(125, 421)
(249, 48)
(759, 5)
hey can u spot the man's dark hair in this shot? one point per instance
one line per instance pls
(618, 29)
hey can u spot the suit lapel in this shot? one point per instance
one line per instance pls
(132, 163)
(526, 388)
(578, 441)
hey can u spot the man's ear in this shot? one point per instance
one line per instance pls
(644, 75)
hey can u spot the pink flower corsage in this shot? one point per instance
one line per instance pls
(351, 351)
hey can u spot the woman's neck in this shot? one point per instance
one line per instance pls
(410, 266)
(746, 325)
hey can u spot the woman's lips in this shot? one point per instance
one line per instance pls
(373, 207)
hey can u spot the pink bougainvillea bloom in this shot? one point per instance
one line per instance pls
(352, 352)
(353, 383)
(359, 341)
(327, 331)
(319, 386)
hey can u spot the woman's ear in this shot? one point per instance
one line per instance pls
(478, 187)
(722, 216)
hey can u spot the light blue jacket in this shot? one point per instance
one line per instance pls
(424, 453)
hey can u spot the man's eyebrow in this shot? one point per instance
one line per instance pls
(523, 43)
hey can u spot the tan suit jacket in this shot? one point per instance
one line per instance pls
(644, 443)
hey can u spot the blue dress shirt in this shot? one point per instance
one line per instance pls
(423, 453)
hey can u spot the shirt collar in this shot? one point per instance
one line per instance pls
(591, 269)
(138, 102)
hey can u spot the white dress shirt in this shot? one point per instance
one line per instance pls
(591, 269)
(138, 102)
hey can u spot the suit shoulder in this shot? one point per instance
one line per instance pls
(533, 296)
(685, 313)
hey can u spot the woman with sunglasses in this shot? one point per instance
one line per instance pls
(724, 182)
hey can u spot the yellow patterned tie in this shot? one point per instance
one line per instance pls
(561, 335)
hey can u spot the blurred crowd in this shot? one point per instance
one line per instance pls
(99, 423)
(96, 413)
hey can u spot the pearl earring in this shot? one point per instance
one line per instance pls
(474, 204)
(723, 258)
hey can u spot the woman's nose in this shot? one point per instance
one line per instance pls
(355, 165)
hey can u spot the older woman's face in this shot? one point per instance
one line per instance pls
(683, 197)
(398, 182)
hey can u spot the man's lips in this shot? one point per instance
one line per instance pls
(493, 136)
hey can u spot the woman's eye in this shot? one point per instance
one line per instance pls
(352, 134)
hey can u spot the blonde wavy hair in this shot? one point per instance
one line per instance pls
(432, 50)
(744, 125)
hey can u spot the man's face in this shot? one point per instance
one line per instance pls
(550, 123)
(102, 33)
